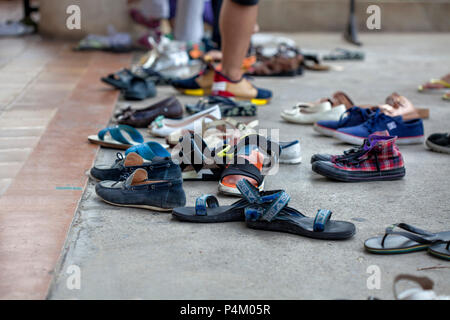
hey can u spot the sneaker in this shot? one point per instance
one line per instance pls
(350, 118)
(304, 116)
(240, 90)
(407, 132)
(379, 159)
(439, 142)
(158, 168)
(198, 85)
(346, 153)
(139, 192)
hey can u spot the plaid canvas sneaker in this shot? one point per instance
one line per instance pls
(378, 159)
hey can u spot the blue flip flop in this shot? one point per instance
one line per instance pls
(112, 137)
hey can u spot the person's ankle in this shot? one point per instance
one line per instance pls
(233, 75)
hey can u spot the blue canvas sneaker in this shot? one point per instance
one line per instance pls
(350, 118)
(407, 132)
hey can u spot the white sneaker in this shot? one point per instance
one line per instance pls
(305, 116)
(162, 127)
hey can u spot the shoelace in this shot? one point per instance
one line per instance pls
(376, 118)
(119, 160)
(348, 114)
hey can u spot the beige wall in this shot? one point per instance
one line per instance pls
(95, 16)
(332, 15)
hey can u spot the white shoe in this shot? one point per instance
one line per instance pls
(163, 127)
(301, 115)
(290, 152)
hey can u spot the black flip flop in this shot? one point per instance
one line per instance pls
(119, 80)
(440, 250)
(410, 240)
(139, 89)
(277, 216)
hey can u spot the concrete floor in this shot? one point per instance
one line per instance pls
(139, 254)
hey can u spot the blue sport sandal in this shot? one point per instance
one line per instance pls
(207, 208)
(277, 216)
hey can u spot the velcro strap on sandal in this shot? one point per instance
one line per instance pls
(321, 219)
(276, 206)
(203, 201)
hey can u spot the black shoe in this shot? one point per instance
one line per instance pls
(158, 168)
(139, 192)
(439, 142)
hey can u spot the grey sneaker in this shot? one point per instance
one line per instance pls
(139, 192)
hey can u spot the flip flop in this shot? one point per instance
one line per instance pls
(120, 79)
(116, 139)
(410, 240)
(436, 84)
(277, 216)
(139, 89)
(149, 150)
(440, 250)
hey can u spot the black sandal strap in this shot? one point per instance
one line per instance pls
(247, 169)
(413, 233)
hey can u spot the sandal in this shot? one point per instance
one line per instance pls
(249, 163)
(139, 89)
(436, 84)
(410, 240)
(275, 215)
(425, 292)
(228, 106)
(116, 139)
(344, 54)
(440, 250)
(198, 161)
(446, 96)
(120, 79)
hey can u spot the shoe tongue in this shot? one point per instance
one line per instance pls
(139, 175)
(133, 159)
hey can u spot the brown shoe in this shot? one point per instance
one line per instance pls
(397, 105)
(169, 108)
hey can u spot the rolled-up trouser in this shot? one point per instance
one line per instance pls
(189, 20)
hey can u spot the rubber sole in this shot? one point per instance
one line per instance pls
(398, 250)
(435, 147)
(139, 206)
(324, 130)
(225, 217)
(282, 226)
(358, 176)
(348, 138)
(291, 161)
(111, 145)
(439, 255)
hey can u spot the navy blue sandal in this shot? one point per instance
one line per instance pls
(207, 207)
(277, 216)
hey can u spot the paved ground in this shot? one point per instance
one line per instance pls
(138, 254)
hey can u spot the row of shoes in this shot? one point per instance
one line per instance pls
(157, 185)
